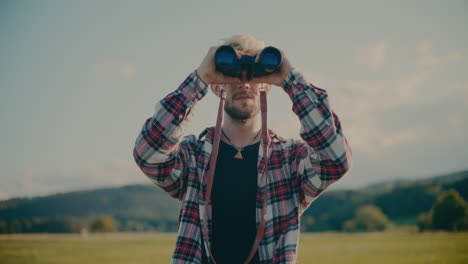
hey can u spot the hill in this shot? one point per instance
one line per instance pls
(147, 207)
(135, 207)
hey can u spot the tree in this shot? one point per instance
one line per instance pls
(461, 224)
(307, 223)
(424, 221)
(406, 202)
(3, 227)
(369, 218)
(450, 212)
(103, 224)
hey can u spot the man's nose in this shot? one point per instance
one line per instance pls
(245, 86)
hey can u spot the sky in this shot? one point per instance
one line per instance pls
(79, 78)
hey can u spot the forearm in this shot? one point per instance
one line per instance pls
(164, 130)
(157, 150)
(327, 156)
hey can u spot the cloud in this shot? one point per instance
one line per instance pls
(373, 56)
(455, 122)
(363, 126)
(314, 78)
(287, 127)
(123, 70)
(460, 91)
(404, 135)
(34, 181)
(361, 103)
(426, 56)
(453, 57)
(3, 196)
(409, 85)
(386, 95)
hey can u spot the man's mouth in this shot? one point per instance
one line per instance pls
(243, 96)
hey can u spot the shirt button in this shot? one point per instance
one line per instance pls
(295, 82)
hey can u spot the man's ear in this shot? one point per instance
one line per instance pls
(216, 88)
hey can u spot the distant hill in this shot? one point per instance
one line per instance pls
(401, 201)
(135, 207)
(442, 179)
(147, 207)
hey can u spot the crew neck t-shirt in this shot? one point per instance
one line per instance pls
(233, 200)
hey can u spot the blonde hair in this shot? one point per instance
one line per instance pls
(245, 43)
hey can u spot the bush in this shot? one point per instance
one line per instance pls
(369, 218)
(461, 224)
(449, 212)
(103, 224)
(424, 221)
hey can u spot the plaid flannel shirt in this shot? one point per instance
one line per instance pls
(298, 170)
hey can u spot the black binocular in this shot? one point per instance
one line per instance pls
(226, 61)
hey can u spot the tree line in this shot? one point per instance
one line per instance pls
(147, 208)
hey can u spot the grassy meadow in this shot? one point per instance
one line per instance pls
(154, 248)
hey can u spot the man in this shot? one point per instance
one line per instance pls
(232, 225)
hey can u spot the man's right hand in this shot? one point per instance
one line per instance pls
(207, 70)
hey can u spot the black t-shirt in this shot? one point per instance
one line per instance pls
(234, 203)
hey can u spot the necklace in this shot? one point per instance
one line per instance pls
(238, 155)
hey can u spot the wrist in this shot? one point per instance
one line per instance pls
(202, 76)
(284, 76)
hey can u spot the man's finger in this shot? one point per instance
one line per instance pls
(257, 57)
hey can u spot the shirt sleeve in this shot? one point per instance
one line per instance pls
(161, 151)
(325, 156)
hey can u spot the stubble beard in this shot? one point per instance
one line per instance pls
(239, 114)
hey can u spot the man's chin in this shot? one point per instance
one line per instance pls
(238, 115)
(241, 113)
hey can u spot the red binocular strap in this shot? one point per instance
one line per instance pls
(212, 168)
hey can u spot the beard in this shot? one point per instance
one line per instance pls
(241, 114)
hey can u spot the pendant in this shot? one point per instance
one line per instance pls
(238, 156)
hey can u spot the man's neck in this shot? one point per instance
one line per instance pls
(241, 132)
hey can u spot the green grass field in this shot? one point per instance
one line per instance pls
(156, 248)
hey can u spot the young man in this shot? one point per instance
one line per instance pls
(233, 224)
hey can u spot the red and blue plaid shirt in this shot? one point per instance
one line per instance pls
(298, 170)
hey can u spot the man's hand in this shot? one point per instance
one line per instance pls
(209, 75)
(207, 70)
(277, 78)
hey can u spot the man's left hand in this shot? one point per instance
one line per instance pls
(276, 78)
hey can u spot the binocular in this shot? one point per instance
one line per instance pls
(226, 61)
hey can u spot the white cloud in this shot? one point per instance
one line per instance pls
(460, 91)
(361, 102)
(409, 90)
(287, 127)
(426, 56)
(361, 125)
(455, 122)
(425, 47)
(404, 135)
(123, 70)
(358, 109)
(314, 78)
(373, 56)
(85, 176)
(120, 164)
(386, 95)
(3, 196)
(453, 57)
